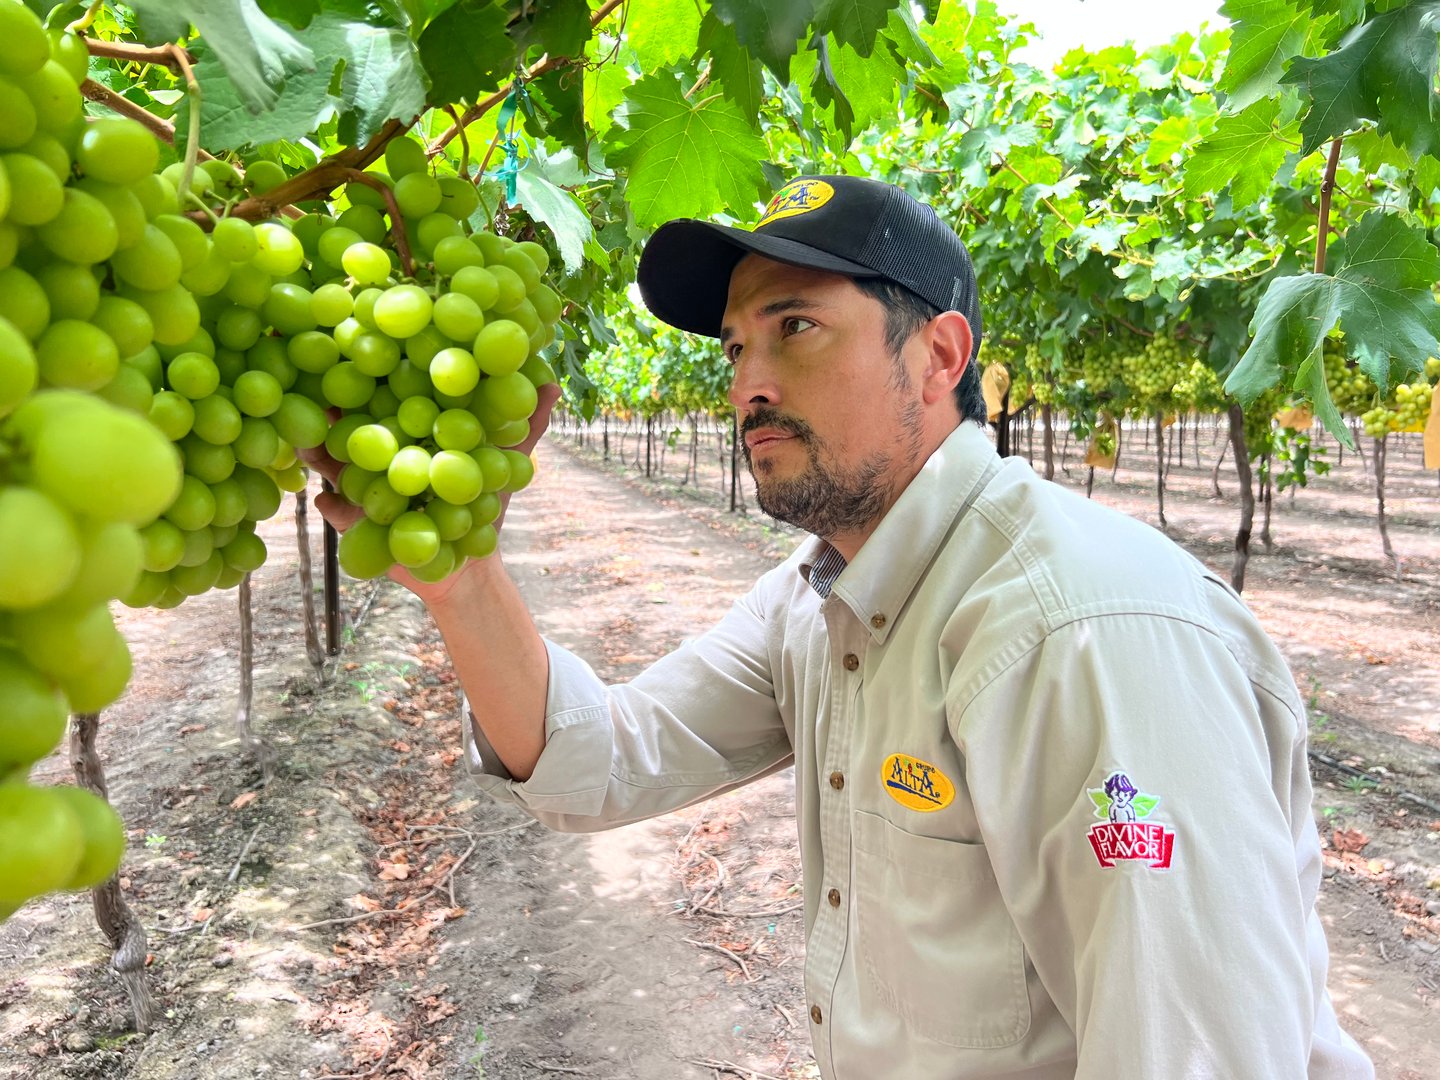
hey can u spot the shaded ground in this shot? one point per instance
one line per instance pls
(456, 940)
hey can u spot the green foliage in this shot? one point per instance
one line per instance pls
(1172, 191)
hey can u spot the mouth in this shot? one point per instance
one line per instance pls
(761, 438)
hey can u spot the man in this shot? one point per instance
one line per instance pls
(1051, 779)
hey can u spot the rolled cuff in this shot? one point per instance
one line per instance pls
(573, 772)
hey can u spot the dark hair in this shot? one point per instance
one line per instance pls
(905, 313)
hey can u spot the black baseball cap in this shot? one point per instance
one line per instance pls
(842, 224)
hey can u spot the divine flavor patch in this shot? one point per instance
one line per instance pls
(1124, 834)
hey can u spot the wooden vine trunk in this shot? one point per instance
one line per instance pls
(1160, 467)
(1048, 441)
(250, 743)
(114, 917)
(1381, 451)
(313, 651)
(1247, 496)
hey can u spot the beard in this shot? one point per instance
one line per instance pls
(826, 498)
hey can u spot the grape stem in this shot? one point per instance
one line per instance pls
(1327, 188)
(397, 221)
(464, 169)
(103, 95)
(135, 53)
(192, 94)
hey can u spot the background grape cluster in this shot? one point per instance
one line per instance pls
(161, 364)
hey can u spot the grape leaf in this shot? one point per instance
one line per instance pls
(825, 86)
(685, 159)
(1264, 35)
(558, 27)
(555, 106)
(257, 53)
(1169, 137)
(853, 22)
(662, 31)
(226, 123)
(1385, 71)
(556, 208)
(1381, 295)
(382, 79)
(740, 76)
(770, 30)
(466, 50)
(1243, 151)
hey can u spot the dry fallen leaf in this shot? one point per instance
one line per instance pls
(1349, 840)
(243, 800)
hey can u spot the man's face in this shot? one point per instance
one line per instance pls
(831, 420)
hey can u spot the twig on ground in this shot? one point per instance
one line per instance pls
(696, 905)
(762, 913)
(235, 871)
(730, 1067)
(744, 967)
(558, 1068)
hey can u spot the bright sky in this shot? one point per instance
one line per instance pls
(1096, 24)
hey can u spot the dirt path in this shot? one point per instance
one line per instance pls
(642, 953)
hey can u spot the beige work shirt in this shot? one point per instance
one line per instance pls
(1052, 790)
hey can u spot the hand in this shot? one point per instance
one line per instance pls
(341, 513)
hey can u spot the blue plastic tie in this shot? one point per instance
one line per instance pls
(509, 169)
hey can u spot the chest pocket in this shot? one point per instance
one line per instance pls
(935, 941)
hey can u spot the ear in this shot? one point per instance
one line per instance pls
(950, 341)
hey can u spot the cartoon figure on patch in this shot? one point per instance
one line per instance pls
(1123, 834)
(1122, 794)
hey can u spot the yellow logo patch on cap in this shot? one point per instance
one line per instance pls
(795, 198)
(916, 784)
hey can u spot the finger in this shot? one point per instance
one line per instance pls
(337, 510)
(321, 461)
(546, 396)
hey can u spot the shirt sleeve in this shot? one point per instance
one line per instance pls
(1167, 917)
(698, 722)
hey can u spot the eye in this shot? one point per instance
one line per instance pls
(732, 353)
(794, 324)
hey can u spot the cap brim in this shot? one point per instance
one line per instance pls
(684, 272)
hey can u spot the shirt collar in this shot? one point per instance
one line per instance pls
(884, 572)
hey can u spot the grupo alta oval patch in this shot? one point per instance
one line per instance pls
(916, 784)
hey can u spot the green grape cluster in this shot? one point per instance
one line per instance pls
(80, 471)
(1153, 371)
(1260, 419)
(435, 374)
(1407, 409)
(1199, 388)
(1351, 391)
(1102, 365)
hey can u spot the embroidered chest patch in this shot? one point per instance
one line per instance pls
(916, 784)
(1124, 833)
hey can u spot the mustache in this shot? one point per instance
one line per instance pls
(774, 418)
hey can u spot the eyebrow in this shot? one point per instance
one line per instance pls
(776, 307)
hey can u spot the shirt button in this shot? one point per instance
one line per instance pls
(877, 621)
(834, 897)
(851, 661)
(815, 1013)
(837, 780)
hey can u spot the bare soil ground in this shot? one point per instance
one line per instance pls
(367, 914)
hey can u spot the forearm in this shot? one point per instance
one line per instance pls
(500, 659)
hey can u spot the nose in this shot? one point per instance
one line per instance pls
(753, 381)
